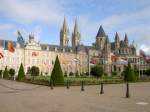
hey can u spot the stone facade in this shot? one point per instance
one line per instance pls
(74, 58)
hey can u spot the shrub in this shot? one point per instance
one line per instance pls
(83, 75)
(21, 73)
(87, 73)
(1, 72)
(11, 72)
(71, 74)
(147, 72)
(114, 73)
(97, 71)
(105, 74)
(77, 74)
(129, 74)
(34, 71)
(65, 75)
(5, 73)
(57, 74)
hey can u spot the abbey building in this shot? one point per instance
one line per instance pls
(113, 56)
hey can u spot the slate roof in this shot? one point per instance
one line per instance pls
(101, 32)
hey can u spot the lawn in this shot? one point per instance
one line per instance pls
(75, 80)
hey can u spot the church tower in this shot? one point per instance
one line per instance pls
(126, 40)
(117, 41)
(100, 38)
(107, 46)
(76, 36)
(64, 32)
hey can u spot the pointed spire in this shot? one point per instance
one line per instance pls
(117, 37)
(126, 38)
(101, 32)
(76, 36)
(65, 24)
(76, 28)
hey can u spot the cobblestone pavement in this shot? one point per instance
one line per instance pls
(21, 97)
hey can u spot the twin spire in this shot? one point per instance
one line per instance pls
(117, 41)
(64, 35)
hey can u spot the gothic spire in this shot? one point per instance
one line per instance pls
(64, 32)
(65, 25)
(101, 32)
(76, 36)
(126, 38)
(117, 37)
(76, 28)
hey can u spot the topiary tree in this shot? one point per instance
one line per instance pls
(11, 72)
(21, 73)
(65, 74)
(1, 72)
(57, 74)
(5, 73)
(34, 71)
(97, 71)
(71, 73)
(129, 74)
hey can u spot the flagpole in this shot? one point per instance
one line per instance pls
(89, 64)
(76, 58)
(24, 57)
(142, 66)
(139, 67)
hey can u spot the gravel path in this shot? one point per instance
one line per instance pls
(21, 97)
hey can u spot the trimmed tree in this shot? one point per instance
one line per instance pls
(71, 73)
(1, 72)
(97, 71)
(21, 73)
(34, 71)
(11, 72)
(5, 73)
(129, 74)
(57, 74)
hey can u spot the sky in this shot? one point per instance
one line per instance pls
(44, 19)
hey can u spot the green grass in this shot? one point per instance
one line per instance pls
(75, 80)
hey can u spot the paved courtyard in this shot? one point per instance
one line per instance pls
(21, 97)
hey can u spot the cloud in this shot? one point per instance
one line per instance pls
(5, 31)
(29, 11)
(50, 12)
(4, 27)
(145, 48)
(135, 24)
